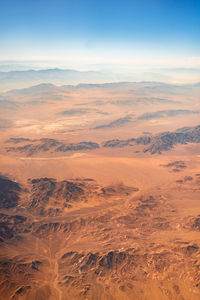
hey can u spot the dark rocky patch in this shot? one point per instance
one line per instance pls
(36, 264)
(45, 190)
(5, 232)
(175, 170)
(179, 181)
(11, 226)
(118, 189)
(190, 249)
(9, 193)
(196, 223)
(188, 178)
(22, 291)
(178, 164)
(143, 140)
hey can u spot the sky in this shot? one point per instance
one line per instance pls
(140, 32)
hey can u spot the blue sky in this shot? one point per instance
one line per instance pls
(144, 31)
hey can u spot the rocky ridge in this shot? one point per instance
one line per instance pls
(156, 143)
(106, 250)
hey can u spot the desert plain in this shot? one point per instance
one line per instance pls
(100, 192)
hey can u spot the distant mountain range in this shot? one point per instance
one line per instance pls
(22, 79)
(23, 88)
(26, 78)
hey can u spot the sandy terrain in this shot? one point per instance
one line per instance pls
(100, 193)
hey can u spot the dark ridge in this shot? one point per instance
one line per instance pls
(47, 144)
(160, 142)
(44, 190)
(166, 113)
(178, 164)
(142, 140)
(77, 146)
(116, 123)
(49, 197)
(72, 112)
(33, 181)
(144, 100)
(167, 140)
(20, 149)
(118, 143)
(44, 144)
(18, 140)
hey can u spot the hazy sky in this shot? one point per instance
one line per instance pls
(155, 32)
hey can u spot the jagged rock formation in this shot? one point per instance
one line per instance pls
(46, 144)
(103, 246)
(77, 147)
(142, 140)
(9, 193)
(128, 272)
(157, 144)
(160, 142)
(11, 226)
(55, 195)
(167, 140)
(118, 143)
